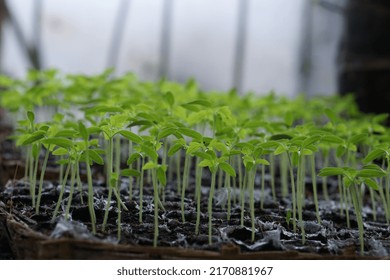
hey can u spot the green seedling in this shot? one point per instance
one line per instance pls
(353, 179)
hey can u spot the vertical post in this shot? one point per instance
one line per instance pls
(36, 50)
(241, 42)
(165, 42)
(117, 34)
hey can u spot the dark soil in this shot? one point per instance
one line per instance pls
(332, 237)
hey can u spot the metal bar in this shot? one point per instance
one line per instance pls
(240, 47)
(165, 43)
(21, 39)
(117, 34)
(36, 50)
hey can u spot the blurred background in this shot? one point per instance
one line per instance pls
(290, 47)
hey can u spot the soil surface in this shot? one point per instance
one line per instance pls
(273, 232)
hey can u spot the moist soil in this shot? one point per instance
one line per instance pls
(331, 238)
(274, 232)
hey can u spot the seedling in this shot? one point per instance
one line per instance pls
(353, 179)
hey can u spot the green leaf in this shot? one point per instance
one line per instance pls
(227, 168)
(340, 151)
(83, 131)
(69, 133)
(149, 151)
(203, 155)
(280, 137)
(150, 165)
(219, 146)
(130, 172)
(371, 183)
(331, 171)
(60, 152)
(374, 154)
(58, 141)
(190, 107)
(38, 135)
(280, 150)
(262, 161)
(35, 150)
(333, 139)
(174, 148)
(30, 116)
(306, 152)
(347, 182)
(358, 138)
(205, 163)
(131, 136)
(371, 170)
(201, 102)
(161, 175)
(331, 115)
(289, 118)
(94, 155)
(191, 133)
(166, 132)
(193, 147)
(169, 98)
(62, 161)
(295, 158)
(311, 140)
(133, 158)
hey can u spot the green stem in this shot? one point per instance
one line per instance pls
(293, 193)
(141, 191)
(325, 178)
(358, 213)
(90, 192)
(210, 204)
(178, 173)
(199, 171)
(272, 173)
(284, 174)
(72, 179)
(156, 203)
(314, 183)
(43, 170)
(130, 178)
(242, 197)
(185, 183)
(262, 196)
(108, 183)
(300, 194)
(79, 183)
(252, 200)
(64, 180)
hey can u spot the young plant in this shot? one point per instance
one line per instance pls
(211, 160)
(353, 179)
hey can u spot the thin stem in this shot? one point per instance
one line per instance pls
(293, 193)
(272, 173)
(314, 183)
(185, 183)
(64, 180)
(210, 204)
(141, 191)
(262, 196)
(252, 200)
(108, 183)
(90, 193)
(358, 213)
(41, 180)
(156, 203)
(72, 179)
(199, 171)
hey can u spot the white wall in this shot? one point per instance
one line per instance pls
(76, 36)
